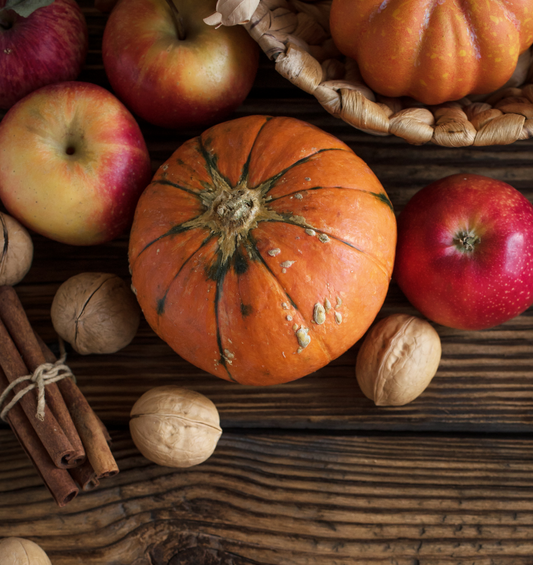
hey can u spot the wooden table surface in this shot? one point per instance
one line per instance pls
(310, 472)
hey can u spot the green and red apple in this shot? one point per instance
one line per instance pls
(73, 163)
(172, 69)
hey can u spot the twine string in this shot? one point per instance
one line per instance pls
(44, 374)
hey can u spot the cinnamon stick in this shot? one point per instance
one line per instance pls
(91, 430)
(58, 481)
(105, 431)
(85, 476)
(15, 320)
(52, 437)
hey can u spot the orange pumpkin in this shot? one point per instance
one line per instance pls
(433, 50)
(262, 249)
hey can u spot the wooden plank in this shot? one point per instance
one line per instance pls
(291, 499)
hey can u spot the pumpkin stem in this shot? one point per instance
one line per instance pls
(236, 210)
(234, 213)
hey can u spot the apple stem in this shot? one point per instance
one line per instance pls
(5, 21)
(178, 21)
(466, 241)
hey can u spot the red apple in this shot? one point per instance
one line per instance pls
(172, 69)
(48, 45)
(465, 252)
(73, 163)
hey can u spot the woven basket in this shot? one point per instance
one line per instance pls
(295, 35)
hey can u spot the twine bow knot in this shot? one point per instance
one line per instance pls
(45, 374)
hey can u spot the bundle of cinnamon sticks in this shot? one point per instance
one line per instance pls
(69, 446)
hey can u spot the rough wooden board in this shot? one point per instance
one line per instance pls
(290, 499)
(300, 495)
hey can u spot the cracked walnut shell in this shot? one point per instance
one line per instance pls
(397, 360)
(175, 427)
(95, 313)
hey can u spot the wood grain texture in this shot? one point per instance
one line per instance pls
(310, 472)
(290, 499)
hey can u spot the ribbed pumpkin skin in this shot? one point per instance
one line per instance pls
(433, 50)
(313, 227)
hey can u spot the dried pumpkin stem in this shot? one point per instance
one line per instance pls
(236, 209)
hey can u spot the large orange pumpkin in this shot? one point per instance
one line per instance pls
(433, 50)
(262, 249)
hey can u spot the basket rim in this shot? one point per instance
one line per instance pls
(286, 31)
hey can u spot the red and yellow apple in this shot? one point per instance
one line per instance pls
(172, 69)
(73, 163)
(464, 256)
(39, 46)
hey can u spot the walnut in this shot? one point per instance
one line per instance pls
(175, 427)
(20, 551)
(95, 313)
(16, 253)
(397, 360)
